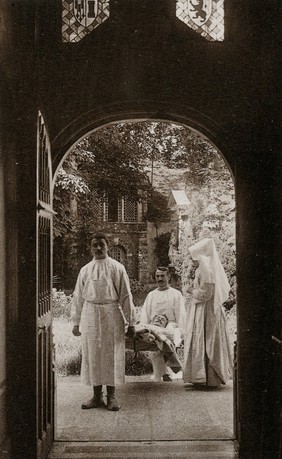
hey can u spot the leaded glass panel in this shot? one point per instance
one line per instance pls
(80, 17)
(206, 17)
(98, 204)
(106, 209)
(120, 209)
(130, 211)
(118, 253)
(113, 208)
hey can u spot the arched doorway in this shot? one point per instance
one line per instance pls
(142, 117)
(177, 69)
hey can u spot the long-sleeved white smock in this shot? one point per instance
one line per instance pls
(102, 301)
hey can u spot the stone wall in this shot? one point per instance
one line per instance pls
(131, 237)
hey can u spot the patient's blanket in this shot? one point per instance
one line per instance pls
(157, 338)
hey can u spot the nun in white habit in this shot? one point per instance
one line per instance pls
(207, 354)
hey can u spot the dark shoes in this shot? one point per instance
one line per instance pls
(166, 378)
(97, 400)
(94, 402)
(112, 404)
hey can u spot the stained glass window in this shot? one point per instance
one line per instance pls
(206, 17)
(80, 17)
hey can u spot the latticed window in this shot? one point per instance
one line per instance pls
(80, 17)
(113, 208)
(118, 253)
(98, 206)
(206, 17)
(130, 211)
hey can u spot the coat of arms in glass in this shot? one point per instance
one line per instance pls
(80, 17)
(206, 17)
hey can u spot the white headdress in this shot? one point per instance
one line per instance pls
(211, 269)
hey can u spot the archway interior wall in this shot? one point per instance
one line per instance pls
(9, 277)
(3, 248)
(81, 128)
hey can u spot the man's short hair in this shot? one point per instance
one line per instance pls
(163, 268)
(100, 236)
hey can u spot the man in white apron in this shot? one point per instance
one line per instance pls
(168, 301)
(102, 300)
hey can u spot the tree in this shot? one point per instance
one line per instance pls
(123, 158)
(162, 249)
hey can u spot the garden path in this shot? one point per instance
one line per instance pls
(150, 411)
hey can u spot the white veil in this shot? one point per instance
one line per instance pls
(213, 270)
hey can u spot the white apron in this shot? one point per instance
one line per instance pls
(103, 345)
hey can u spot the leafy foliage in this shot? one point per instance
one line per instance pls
(119, 158)
(162, 249)
(122, 159)
(61, 304)
(212, 214)
(157, 208)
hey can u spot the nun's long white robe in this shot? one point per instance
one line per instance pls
(207, 355)
(102, 288)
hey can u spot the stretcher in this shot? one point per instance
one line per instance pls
(136, 344)
(150, 338)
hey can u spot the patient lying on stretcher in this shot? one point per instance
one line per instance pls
(160, 328)
(166, 335)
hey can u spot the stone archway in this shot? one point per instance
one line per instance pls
(141, 110)
(82, 131)
(215, 77)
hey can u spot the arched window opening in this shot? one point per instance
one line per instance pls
(118, 253)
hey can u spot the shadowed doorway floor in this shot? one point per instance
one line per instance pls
(150, 411)
(145, 450)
